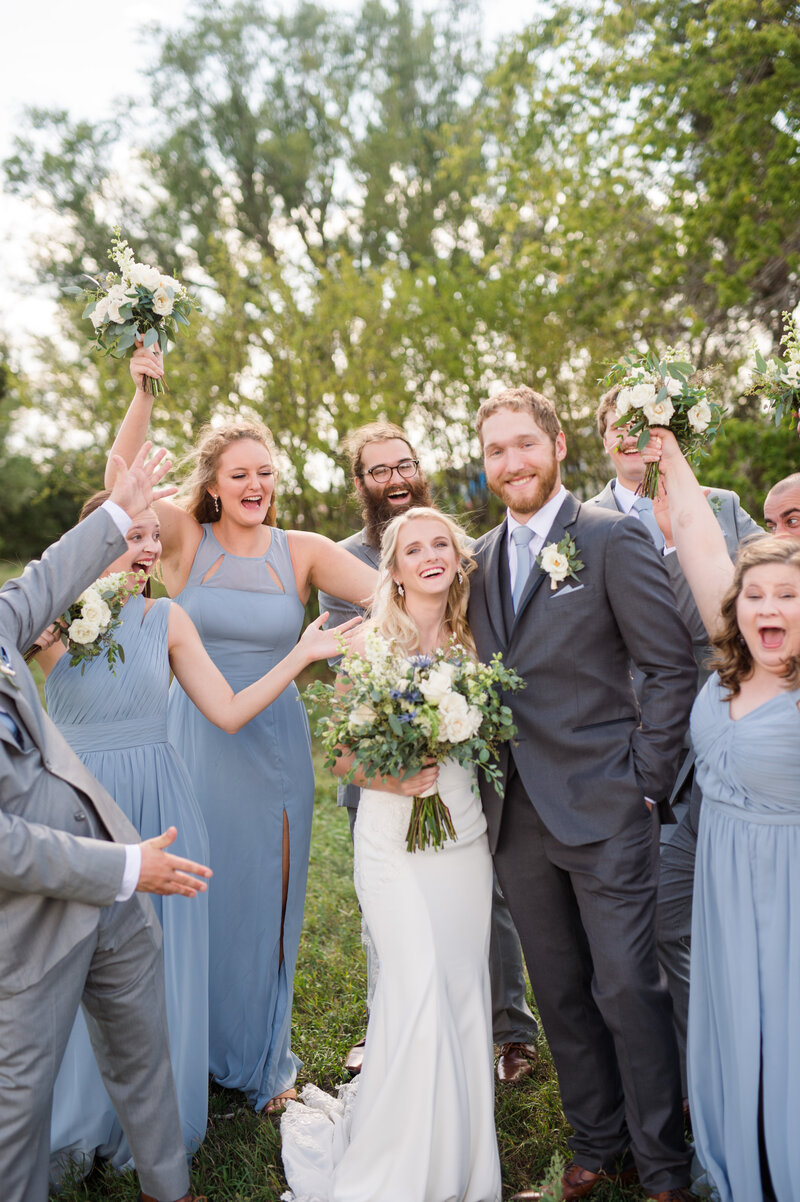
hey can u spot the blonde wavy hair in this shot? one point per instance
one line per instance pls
(204, 460)
(732, 658)
(389, 613)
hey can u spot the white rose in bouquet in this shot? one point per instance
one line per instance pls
(362, 715)
(623, 402)
(659, 413)
(674, 387)
(699, 416)
(163, 303)
(555, 564)
(458, 721)
(438, 684)
(640, 395)
(82, 631)
(96, 612)
(142, 275)
(100, 312)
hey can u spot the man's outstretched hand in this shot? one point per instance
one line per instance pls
(162, 872)
(135, 486)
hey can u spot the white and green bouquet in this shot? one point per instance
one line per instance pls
(778, 379)
(138, 302)
(88, 625)
(396, 715)
(664, 392)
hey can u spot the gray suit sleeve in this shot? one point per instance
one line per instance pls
(659, 645)
(49, 585)
(35, 858)
(744, 524)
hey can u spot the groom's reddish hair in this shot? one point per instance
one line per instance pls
(521, 400)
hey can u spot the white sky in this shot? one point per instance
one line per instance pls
(80, 56)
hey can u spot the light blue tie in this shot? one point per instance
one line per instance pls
(521, 535)
(643, 507)
(8, 721)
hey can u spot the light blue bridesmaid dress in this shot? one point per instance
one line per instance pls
(249, 617)
(744, 1005)
(117, 725)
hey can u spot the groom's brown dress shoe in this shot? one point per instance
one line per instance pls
(516, 1060)
(577, 1182)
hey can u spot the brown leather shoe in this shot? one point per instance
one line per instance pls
(516, 1060)
(577, 1182)
(672, 1195)
(355, 1058)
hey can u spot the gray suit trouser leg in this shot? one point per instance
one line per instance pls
(118, 974)
(586, 919)
(674, 924)
(512, 1021)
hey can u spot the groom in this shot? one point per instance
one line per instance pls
(574, 835)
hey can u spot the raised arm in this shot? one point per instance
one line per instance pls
(202, 680)
(144, 364)
(699, 541)
(320, 561)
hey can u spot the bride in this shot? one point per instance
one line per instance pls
(418, 1124)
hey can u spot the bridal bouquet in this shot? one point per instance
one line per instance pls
(89, 623)
(397, 714)
(663, 392)
(137, 302)
(778, 380)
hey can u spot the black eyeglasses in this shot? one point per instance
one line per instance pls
(406, 468)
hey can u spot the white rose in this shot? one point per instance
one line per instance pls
(640, 395)
(438, 684)
(81, 631)
(162, 302)
(674, 387)
(141, 275)
(114, 315)
(458, 721)
(658, 413)
(555, 564)
(362, 715)
(168, 282)
(623, 402)
(99, 312)
(92, 593)
(699, 416)
(96, 612)
(792, 371)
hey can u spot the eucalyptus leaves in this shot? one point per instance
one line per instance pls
(138, 303)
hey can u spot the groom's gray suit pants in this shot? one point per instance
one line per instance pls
(117, 972)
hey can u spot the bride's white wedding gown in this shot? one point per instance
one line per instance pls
(418, 1126)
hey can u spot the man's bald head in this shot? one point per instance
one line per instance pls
(782, 507)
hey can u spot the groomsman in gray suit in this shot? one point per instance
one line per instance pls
(73, 928)
(387, 479)
(678, 842)
(574, 834)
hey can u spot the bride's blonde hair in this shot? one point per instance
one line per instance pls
(389, 611)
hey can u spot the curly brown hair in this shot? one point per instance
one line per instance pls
(194, 494)
(732, 658)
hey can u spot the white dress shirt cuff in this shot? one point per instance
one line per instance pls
(133, 867)
(118, 516)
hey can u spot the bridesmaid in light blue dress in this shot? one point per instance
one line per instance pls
(744, 1001)
(246, 584)
(117, 724)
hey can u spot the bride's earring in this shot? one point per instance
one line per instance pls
(460, 576)
(401, 590)
(216, 505)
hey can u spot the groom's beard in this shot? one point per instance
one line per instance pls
(377, 511)
(532, 499)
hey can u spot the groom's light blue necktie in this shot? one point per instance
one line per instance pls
(643, 507)
(521, 535)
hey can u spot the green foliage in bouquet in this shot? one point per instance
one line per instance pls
(139, 302)
(664, 392)
(778, 379)
(395, 715)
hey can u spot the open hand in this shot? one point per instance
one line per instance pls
(327, 644)
(162, 872)
(135, 486)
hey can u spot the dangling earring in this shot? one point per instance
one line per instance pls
(216, 505)
(401, 590)
(460, 576)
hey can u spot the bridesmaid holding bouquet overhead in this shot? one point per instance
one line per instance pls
(245, 582)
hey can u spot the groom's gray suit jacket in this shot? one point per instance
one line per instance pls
(587, 751)
(60, 832)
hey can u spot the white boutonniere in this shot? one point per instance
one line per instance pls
(560, 560)
(6, 669)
